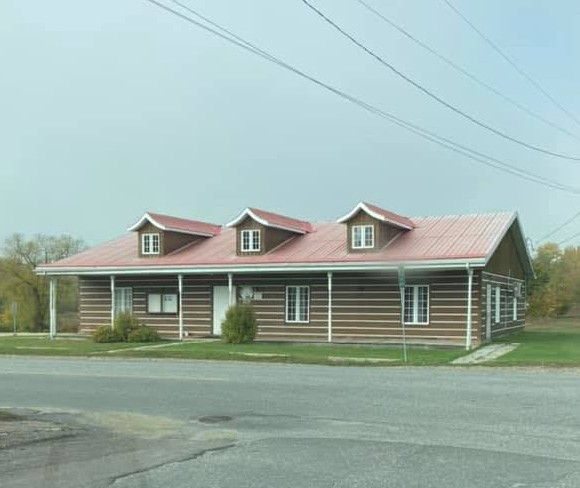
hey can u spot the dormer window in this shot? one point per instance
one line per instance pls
(150, 243)
(363, 236)
(251, 240)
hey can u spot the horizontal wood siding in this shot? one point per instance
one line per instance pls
(366, 307)
(506, 324)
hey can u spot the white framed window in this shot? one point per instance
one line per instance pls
(416, 304)
(515, 308)
(363, 236)
(497, 304)
(149, 243)
(162, 303)
(251, 240)
(123, 300)
(298, 304)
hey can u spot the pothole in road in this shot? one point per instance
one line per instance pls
(215, 419)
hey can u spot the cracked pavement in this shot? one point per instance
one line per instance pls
(133, 424)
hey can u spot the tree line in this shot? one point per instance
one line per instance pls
(23, 293)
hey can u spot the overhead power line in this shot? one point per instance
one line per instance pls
(232, 38)
(511, 62)
(561, 226)
(569, 239)
(466, 73)
(432, 95)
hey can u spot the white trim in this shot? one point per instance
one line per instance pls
(112, 284)
(416, 303)
(297, 308)
(248, 213)
(437, 264)
(180, 305)
(150, 237)
(251, 240)
(329, 287)
(469, 308)
(363, 228)
(151, 220)
(382, 218)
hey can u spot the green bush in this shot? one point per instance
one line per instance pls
(124, 323)
(239, 325)
(143, 334)
(104, 333)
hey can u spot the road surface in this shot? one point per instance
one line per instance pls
(139, 423)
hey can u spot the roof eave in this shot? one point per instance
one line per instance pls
(248, 213)
(372, 213)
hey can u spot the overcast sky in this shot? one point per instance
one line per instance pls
(112, 108)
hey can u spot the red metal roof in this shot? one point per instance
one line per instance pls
(458, 237)
(177, 224)
(270, 219)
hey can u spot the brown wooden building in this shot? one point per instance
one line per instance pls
(367, 277)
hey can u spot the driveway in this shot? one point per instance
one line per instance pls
(176, 424)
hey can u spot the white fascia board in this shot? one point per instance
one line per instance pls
(151, 220)
(440, 264)
(363, 207)
(248, 213)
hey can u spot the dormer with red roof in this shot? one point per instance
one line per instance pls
(370, 228)
(160, 235)
(259, 231)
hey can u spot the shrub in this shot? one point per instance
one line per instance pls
(143, 334)
(104, 333)
(239, 325)
(124, 323)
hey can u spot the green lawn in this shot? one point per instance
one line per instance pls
(545, 343)
(268, 352)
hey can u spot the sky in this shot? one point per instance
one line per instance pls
(110, 109)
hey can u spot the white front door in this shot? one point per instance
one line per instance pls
(221, 303)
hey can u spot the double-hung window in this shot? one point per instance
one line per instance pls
(417, 304)
(297, 304)
(123, 300)
(150, 243)
(363, 236)
(250, 240)
(162, 303)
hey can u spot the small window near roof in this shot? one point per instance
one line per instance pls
(363, 236)
(250, 240)
(150, 243)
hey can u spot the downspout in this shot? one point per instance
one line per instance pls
(329, 306)
(469, 298)
(230, 288)
(52, 307)
(180, 289)
(112, 301)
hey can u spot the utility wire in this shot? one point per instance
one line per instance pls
(512, 63)
(568, 239)
(442, 141)
(463, 71)
(432, 95)
(561, 226)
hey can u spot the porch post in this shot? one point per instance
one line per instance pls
(52, 307)
(469, 292)
(329, 275)
(180, 305)
(112, 301)
(230, 287)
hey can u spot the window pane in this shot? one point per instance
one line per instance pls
(146, 247)
(255, 240)
(291, 304)
(123, 300)
(245, 240)
(170, 303)
(357, 237)
(369, 231)
(409, 304)
(303, 304)
(155, 243)
(154, 303)
(423, 305)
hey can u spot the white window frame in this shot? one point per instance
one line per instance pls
(254, 240)
(416, 304)
(297, 305)
(147, 243)
(126, 296)
(497, 304)
(515, 308)
(162, 310)
(363, 244)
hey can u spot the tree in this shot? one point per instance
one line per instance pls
(19, 281)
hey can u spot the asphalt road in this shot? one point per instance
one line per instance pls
(135, 424)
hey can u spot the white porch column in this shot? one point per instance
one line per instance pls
(52, 307)
(329, 275)
(230, 288)
(112, 301)
(469, 307)
(180, 289)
